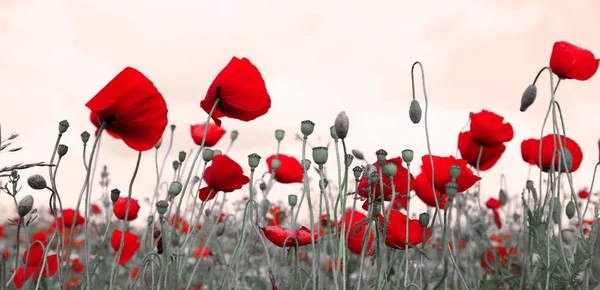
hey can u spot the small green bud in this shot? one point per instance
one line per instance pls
(390, 169)
(357, 171)
(333, 134)
(381, 155)
(307, 127)
(234, 134)
(373, 175)
(25, 205)
(454, 171)
(323, 183)
(320, 155)
(424, 219)
(341, 125)
(253, 160)
(570, 209)
(358, 154)
(85, 137)
(37, 181)
(182, 156)
(275, 164)
(175, 188)
(62, 150)
(292, 200)
(279, 134)
(414, 112)
(529, 184)
(114, 195)
(407, 155)
(451, 188)
(217, 152)
(207, 212)
(262, 186)
(173, 126)
(502, 197)
(195, 180)
(162, 206)
(305, 164)
(63, 126)
(556, 212)
(175, 164)
(150, 220)
(528, 97)
(207, 154)
(348, 160)
(220, 230)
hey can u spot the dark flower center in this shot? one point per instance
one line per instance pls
(219, 99)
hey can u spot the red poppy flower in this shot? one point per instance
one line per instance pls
(488, 129)
(424, 191)
(120, 208)
(180, 224)
(488, 259)
(290, 170)
(130, 246)
(213, 135)
(202, 252)
(132, 108)
(356, 231)
(442, 165)
(400, 183)
(70, 218)
(77, 266)
(497, 219)
(95, 119)
(224, 175)
(493, 203)
(277, 216)
(241, 92)
(548, 152)
(469, 150)
(396, 231)
(572, 62)
(96, 209)
(33, 270)
(583, 194)
(277, 235)
(529, 150)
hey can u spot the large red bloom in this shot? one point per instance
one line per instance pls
(396, 231)
(33, 257)
(488, 129)
(530, 152)
(224, 175)
(356, 232)
(241, 92)
(469, 150)
(213, 135)
(130, 246)
(290, 170)
(424, 191)
(120, 208)
(442, 165)
(401, 180)
(572, 62)
(133, 109)
(278, 235)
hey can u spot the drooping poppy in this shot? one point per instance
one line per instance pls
(469, 151)
(493, 203)
(120, 208)
(548, 147)
(130, 245)
(278, 235)
(240, 91)
(488, 129)
(132, 108)
(424, 191)
(401, 183)
(356, 232)
(442, 165)
(396, 231)
(224, 175)
(213, 134)
(569, 61)
(290, 170)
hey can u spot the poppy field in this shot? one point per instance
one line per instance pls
(350, 226)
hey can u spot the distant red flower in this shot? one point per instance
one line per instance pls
(130, 246)
(277, 235)
(33, 259)
(278, 216)
(202, 252)
(224, 175)
(488, 129)
(548, 147)
(70, 218)
(96, 209)
(497, 219)
(583, 194)
(493, 203)
(180, 224)
(529, 150)
(132, 108)
(400, 183)
(488, 259)
(213, 135)
(77, 266)
(396, 231)
(572, 62)
(241, 92)
(290, 170)
(120, 208)
(442, 165)
(469, 150)
(424, 191)
(356, 231)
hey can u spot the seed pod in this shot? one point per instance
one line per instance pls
(36, 181)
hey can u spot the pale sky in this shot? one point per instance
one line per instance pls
(317, 59)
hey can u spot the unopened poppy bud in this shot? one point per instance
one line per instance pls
(14, 174)
(207, 154)
(85, 137)
(275, 163)
(357, 171)
(424, 219)
(348, 160)
(175, 164)
(528, 97)
(217, 152)
(567, 236)
(262, 186)
(556, 211)
(502, 197)
(157, 145)
(63, 126)
(25, 205)
(173, 126)
(305, 164)
(292, 200)
(529, 184)
(307, 127)
(570, 210)
(265, 204)
(320, 155)
(162, 206)
(567, 157)
(414, 112)
(220, 230)
(253, 160)
(323, 183)
(279, 134)
(381, 155)
(182, 156)
(114, 195)
(207, 212)
(150, 220)
(234, 134)
(454, 171)
(62, 150)
(333, 134)
(451, 188)
(358, 154)
(407, 155)
(36, 181)
(195, 180)
(390, 169)
(175, 188)
(341, 125)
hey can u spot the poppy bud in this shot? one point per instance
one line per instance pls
(381, 154)
(556, 210)
(25, 205)
(162, 206)
(407, 155)
(63, 126)
(220, 230)
(279, 134)
(568, 158)
(207, 212)
(253, 160)
(390, 169)
(320, 155)
(414, 112)
(528, 97)
(262, 186)
(323, 184)
(36, 181)
(265, 204)
(348, 160)
(529, 184)
(333, 134)
(275, 164)
(175, 188)
(175, 164)
(234, 134)
(357, 171)
(62, 150)
(173, 126)
(305, 164)
(85, 137)
(150, 220)
(195, 180)
(341, 125)
(14, 174)
(114, 195)
(182, 156)
(373, 176)
(358, 154)
(307, 127)
(207, 154)
(451, 188)
(159, 246)
(292, 200)
(454, 171)
(567, 236)
(217, 152)
(157, 145)
(502, 197)
(424, 219)
(570, 210)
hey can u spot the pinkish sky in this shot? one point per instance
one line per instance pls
(316, 59)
